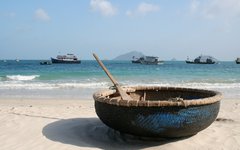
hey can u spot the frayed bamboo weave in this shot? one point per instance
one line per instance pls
(155, 96)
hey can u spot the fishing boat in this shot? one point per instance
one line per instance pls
(155, 111)
(202, 59)
(66, 59)
(136, 60)
(45, 63)
(148, 60)
(238, 60)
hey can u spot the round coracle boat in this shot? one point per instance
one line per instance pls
(158, 111)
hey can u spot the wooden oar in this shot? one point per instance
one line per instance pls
(122, 93)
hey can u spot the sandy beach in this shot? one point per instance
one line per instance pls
(67, 124)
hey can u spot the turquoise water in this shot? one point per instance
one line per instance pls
(28, 79)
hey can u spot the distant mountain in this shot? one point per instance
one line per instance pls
(129, 56)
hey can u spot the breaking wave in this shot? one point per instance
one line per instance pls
(50, 86)
(21, 77)
(194, 85)
(25, 82)
(71, 88)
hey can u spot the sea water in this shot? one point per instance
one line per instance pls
(28, 79)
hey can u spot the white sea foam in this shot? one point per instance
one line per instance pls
(16, 88)
(21, 84)
(81, 85)
(29, 82)
(50, 86)
(193, 85)
(22, 77)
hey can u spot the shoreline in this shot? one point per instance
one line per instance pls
(74, 93)
(73, 124)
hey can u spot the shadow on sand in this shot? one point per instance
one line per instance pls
(91, 132)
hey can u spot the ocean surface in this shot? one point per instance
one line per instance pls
(27, 79)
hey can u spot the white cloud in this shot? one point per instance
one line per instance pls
(143, 9)
(42, 15)
(211, 9)
(225, 13)
(194, 6)
(129, 13)
(104, 7)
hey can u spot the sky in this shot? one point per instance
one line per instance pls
(40, 29)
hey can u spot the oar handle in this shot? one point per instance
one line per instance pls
(122, 93)
(106, 71)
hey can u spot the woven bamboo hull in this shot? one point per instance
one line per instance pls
(158, 121)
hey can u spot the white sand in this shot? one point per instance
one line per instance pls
(65, 125)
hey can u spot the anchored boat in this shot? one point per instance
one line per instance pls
(148, 60)
(202, 59)
(238, 60)
(66, 59)
(45, 63)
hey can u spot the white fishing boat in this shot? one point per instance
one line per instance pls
(66, 59)
(150, 60)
